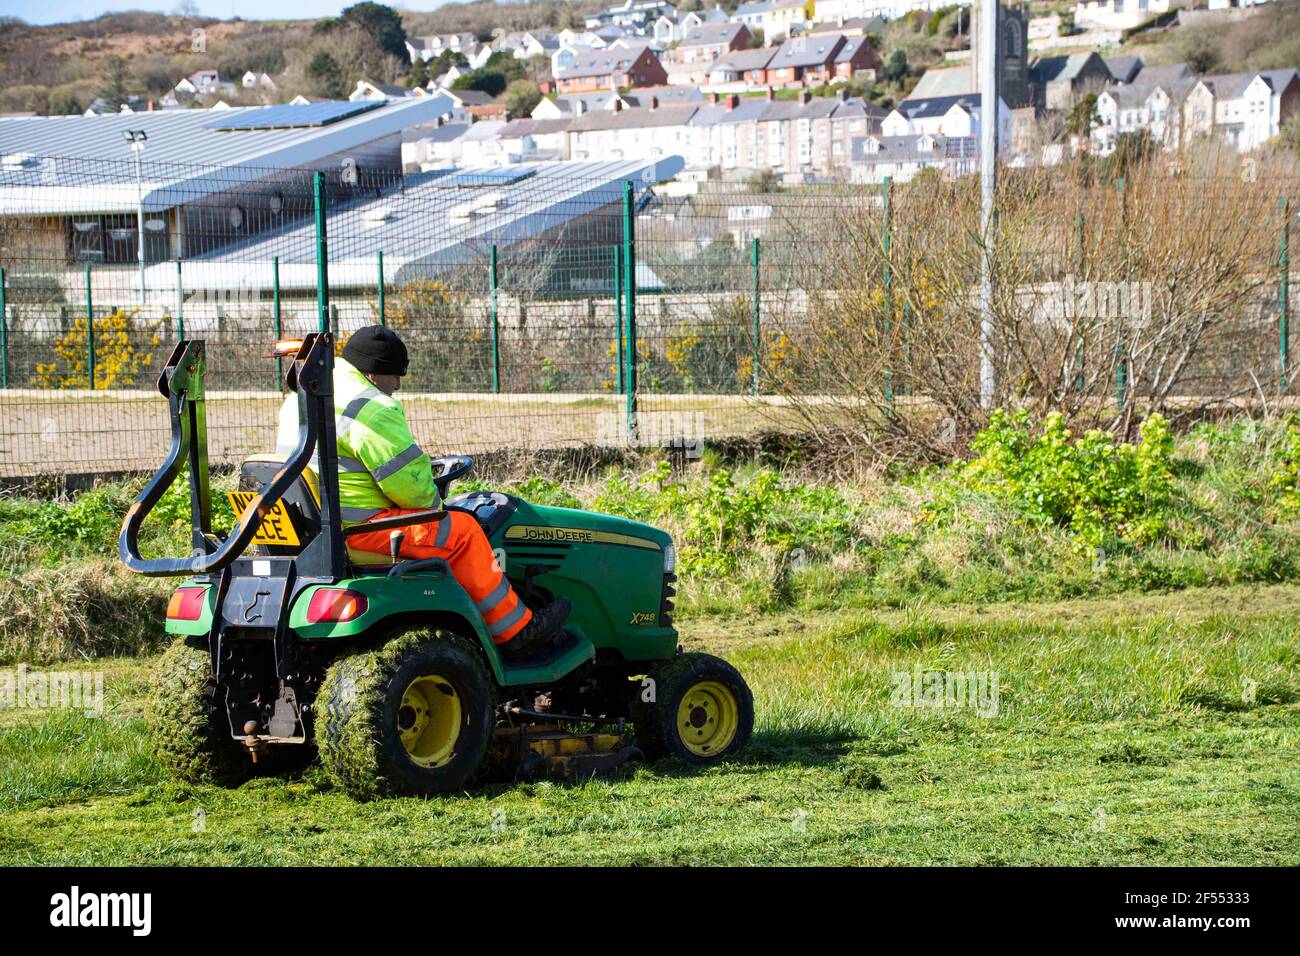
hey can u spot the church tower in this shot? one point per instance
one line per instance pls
(1013, 53)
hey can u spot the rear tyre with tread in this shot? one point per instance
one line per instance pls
(702, 710)
(187, 724)
(412, 717)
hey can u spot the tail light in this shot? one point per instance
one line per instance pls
(186, 604)
(335, 606)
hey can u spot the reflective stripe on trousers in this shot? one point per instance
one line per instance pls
(459, 540)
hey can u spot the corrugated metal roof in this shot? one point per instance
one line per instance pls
(425, 227)
(182, 159)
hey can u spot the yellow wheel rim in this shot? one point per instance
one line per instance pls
(707, 718)
(428, 720)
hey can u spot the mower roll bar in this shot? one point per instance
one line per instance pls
(181, 383)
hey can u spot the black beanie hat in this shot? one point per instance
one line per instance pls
(376, 349)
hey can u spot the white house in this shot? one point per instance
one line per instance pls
(952, 117)
(383, 91)
(1119, 14)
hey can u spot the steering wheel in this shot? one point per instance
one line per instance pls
(452, 467)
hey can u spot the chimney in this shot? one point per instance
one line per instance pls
(149, 109)
(771, 94)
(732, 101)
(654, 103)
(713, 99)
(842, 95)
(579, 107)
(618, 105)
(804, 97)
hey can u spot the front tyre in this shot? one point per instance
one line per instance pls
(411, 717)
(701, 711)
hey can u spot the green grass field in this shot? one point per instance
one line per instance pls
(1154, 729)
(1136, 604)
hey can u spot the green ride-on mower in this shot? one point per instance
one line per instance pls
(289, 643)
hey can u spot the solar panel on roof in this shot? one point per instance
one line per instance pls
(294, 115)
(484, 177)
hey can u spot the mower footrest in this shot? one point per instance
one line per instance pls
(563, 660)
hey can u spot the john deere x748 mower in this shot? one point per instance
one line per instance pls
(290, 643)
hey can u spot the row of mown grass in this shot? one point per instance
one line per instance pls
(1138, 729)
(1034, 514)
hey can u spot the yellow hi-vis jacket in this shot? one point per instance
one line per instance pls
(380, 465)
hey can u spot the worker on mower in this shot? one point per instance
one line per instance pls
(383, 473)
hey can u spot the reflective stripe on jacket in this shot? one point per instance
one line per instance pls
(380, 465)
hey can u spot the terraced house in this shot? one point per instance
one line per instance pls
(611, 68)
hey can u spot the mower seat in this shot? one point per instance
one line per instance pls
(302, 501)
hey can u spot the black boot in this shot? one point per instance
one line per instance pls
(539, 632)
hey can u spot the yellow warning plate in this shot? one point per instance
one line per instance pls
(275, 529)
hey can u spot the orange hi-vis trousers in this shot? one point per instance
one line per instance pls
(459, 540)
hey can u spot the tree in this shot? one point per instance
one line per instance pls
(114, 92)
(1083, 115)
(896, 68)
(488, 81)
(381, 24)
(419, 74)
(522, 96)
(325, 75)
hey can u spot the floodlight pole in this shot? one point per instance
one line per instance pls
(988, 86)
(137, 147)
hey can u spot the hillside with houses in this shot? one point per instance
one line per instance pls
(791, 91)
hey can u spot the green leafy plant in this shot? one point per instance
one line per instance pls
(1095, 486)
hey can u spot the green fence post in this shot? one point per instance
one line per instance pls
(887, 246)
(618, 309)
(1284, 296)
(496, 327)
(758, 331)
(379, 256)
(90, 333)
(4, 335)
(180, 303)
(629, 286)
(1120, 369)
(322, 253)
(275, 313)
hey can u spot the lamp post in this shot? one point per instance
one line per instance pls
(136, 138)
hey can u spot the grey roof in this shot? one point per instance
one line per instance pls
(1154, 75)
(601, 62)
(1124, 68)
(816, 108)
(806, 51)
(752, 9)
(938, 105)
(712, 34)
(1136, 93)
(850, 49)
(640, 96)
(944, 81)
(589, 101)
(176, 137)
(864, 24)
(1050, 69)
(532, 127)
(748, 109)
(424, 227)
(1229, 86)
(637, 117)
(743, 60)
(472, 97)
(903, 149)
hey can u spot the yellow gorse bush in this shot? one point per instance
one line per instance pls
(118, 362)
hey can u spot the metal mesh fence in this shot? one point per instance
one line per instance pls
(560, 304)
